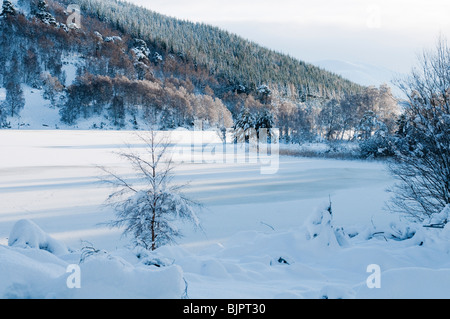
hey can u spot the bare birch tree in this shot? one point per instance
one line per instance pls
(150, 213)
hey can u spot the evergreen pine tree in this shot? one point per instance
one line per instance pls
(264, 120)
(244, 126)
(117, 111)
(2, 114)
(14, 98)
(8, 9)
(43, 14)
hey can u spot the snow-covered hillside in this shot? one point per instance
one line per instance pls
(264, 236)
(363, 73)
(39, 113)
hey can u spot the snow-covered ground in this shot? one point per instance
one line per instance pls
(39, 113)
(264, 236)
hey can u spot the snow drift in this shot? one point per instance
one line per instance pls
(315, 260)
(36, 266)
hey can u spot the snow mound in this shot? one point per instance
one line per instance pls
(30, 274)
(113, 277)
(37, 274)
(26, 234)
(442, 217)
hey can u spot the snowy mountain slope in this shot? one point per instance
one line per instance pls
(176, 70)
(37, 112)
(362, 73)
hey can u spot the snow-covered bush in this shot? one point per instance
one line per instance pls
(26, 234)
(156, 58)
(320, 229)
(422, 144)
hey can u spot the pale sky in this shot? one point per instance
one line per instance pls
(387, 33)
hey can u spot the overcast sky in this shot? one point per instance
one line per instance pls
(388, 33)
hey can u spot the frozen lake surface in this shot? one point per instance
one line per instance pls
(52, 178)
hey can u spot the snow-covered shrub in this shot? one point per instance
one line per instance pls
(320, 229)
(98, 35)
(401, 231)
(88, 250)
(26, 234)
(422, 143)
(156, 260)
